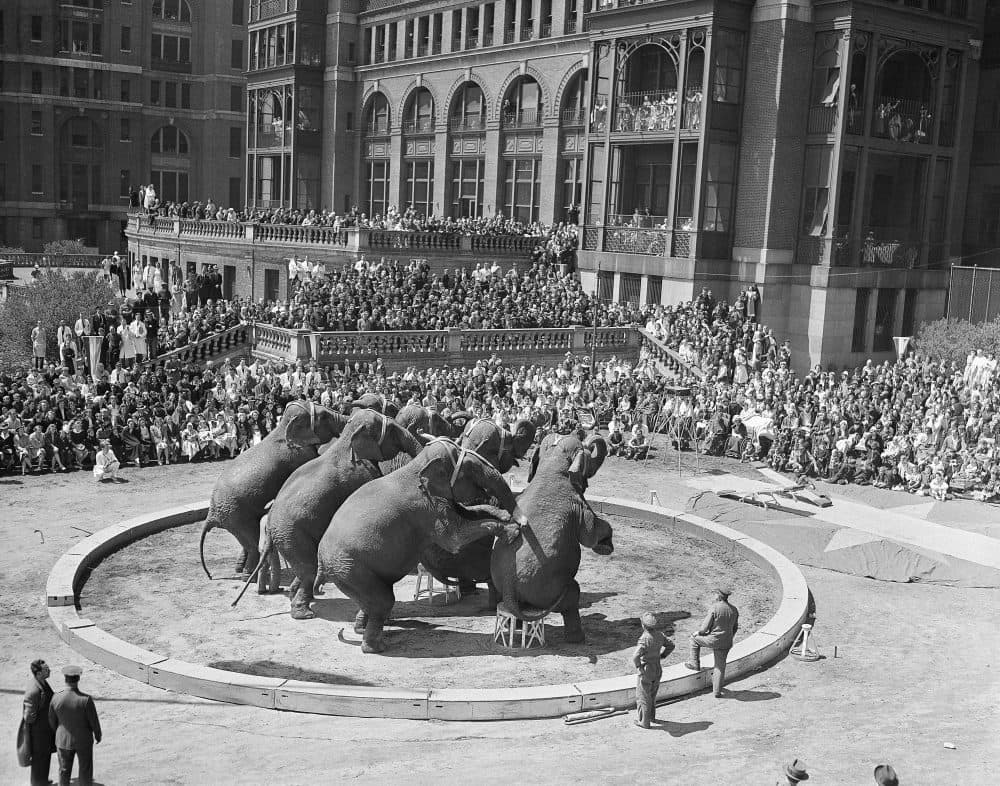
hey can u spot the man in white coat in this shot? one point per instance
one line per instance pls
(138, 330)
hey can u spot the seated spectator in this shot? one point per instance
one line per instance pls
(105, 463)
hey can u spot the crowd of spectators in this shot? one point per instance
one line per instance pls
(394, 295)
(931, 428)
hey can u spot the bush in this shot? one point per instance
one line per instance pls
(8, 250)
(53, 296)
(67, 247)
(954, 339)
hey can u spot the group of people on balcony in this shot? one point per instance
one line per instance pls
(903, 120)
(659, 113)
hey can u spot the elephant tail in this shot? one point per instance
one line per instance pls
(535, 614)
(318, 585)
(264, 552)
(207, 527)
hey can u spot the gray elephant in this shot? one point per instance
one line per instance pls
(419, 420)
(249, 482)
(378, 534)
(303, 508)
(471, 564)
(536, 573)
(375, 401)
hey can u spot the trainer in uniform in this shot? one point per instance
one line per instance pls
(716, 633)
(73, 717)
(649, 651)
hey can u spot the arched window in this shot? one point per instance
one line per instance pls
(468, 108)
(574, 99)
(419, 112)
(172, 10)
(170, 141)
(522, 105)
(904, 103)
(377, 115)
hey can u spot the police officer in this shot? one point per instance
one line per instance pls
(73, 717)
(649, 651)
(716, 633)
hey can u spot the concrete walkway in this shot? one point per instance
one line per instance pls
(897, 524)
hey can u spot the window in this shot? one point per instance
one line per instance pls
(522, 188)
(728, 72)
(654, 288)
(124, 183)
(170, 94)
(467, 188)
(235, 142)
(630, 288)
(271, 285)
(154, 93)
(126, 130)
(36, 228)
(126, 43)
(170, 141)
(79, 37)
(171, 48)
(235, 98)
(36, 82)
(235, 186)
(720, 179)
(468, 110)
(419, 186)
(126, 91)
(885, 317)
(238, 12)
(36, 123)
(172, 10)
(349, 121)
(861, 298)
(185, 95)
(170, 186)
(36, 28)
(909, 312)
(377, 200)
(236, 56)
(36, 179)
(350, 52)
(378, 115)
(419, 111)
(816, 203)
(572, 187)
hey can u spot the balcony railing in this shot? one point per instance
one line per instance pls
(467, 123)
(265, 9)
(522, 118)
(546, 30)
(422, 50)
(456, 44)
(527, 33)
(879, 247)
(823, 119)
(424, 125)
(902, 120)
(570, 26)
(646, 112)
(472, 42)
(271, 136)
(377, 128)
(574, 117)
(487, 39)
(637, 240)
(509, 36)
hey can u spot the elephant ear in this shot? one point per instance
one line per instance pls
(598, 449)
(523, 435)
(435, 475)
(506, 454)
(299, 430)
(459, 420)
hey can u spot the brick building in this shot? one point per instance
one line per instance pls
(100, 95)
(818, 149)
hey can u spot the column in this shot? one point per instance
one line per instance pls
(446, 32)
(558, 17)
(441, 174)
(499, 21)
(395, 165)
(493, 178)
(536, 28)
(549, 171)
(401, 38)
(482, 24)
(518, 18)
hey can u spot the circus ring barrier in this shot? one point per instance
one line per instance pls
(764, 647)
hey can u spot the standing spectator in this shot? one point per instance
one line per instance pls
(38, 339)
(73, 717)
(149, 200)
(716, 633)
(41, 738)
(64, 335)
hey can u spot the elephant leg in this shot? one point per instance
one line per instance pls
(300, 554)
(360, 621)
(294, 587)
(269, 577)
(377, 600)
(467, 587)
(241, 562)
(493, 597)
(570, 610)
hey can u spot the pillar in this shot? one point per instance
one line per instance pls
(549, 172)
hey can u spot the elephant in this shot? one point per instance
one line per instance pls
(471, 564)
(249, 482)
(303, 508)
(379, 533)
(375, 401)
(536, 573)
(425, 420)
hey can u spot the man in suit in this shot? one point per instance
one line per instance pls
(36, 721)
(73, 717)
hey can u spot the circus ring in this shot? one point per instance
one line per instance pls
(765, 646)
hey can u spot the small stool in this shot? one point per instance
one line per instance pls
(505, 630)
(428, 591)
(804, 647)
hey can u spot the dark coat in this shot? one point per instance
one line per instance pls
(37, 698)
(73, 716)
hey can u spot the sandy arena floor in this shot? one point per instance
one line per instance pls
(916, 668)
(153, 594)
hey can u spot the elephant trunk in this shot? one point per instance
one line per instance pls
(206, 528)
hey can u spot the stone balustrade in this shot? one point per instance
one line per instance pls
(206, 349)
(668, 357)
(455, 347)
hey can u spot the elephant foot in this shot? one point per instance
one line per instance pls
(360, 622)
(302, 613)
(575, 636)
(373, 648)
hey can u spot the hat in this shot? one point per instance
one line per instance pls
(72, 671)
(649, 620)
(885, 775)
(796, 771)
(724, 591)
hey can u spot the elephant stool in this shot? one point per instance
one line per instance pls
(423, 576)
(505, 630)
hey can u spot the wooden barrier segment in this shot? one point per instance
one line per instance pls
(762, 647)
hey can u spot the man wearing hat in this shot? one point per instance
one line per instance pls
(716, 633)
(42, 741)
(73, 717)
(795, 773)
(649, 651)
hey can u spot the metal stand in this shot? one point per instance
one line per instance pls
(804, 647)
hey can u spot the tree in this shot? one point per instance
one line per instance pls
(66, 247)
(954, 339)
(53, 296)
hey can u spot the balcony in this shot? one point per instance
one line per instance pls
(823, 119)
(378, 127)
(885, 247)
(573, 117)
(422, 50)
(472, 42)
(467, 123)
(271, 135)
(487, 39)
(546, 31)
(266, 9)
(509, 37)
(527, 32)
(424, 125)
(643, 112)
(570, 27)
(902, 120)
(522, 118)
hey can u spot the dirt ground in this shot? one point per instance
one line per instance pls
(916, 668)
(152, 594)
